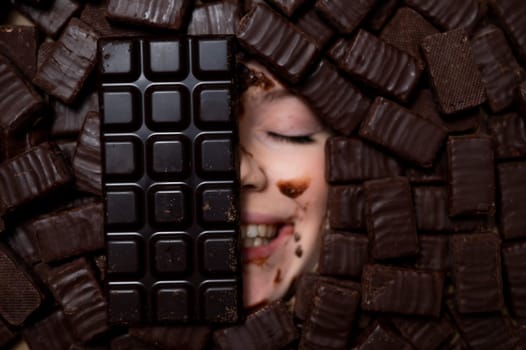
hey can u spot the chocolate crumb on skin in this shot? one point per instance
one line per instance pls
(297, 237)
(277, 279)
(294, 187)
(298, 251)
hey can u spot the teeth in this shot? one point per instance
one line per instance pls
(257, 235)
(252, 231)
(255, 242)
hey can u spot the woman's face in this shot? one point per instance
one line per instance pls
(283, 188)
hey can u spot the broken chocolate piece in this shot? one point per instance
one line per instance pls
(344, 15)
(512, 205)
(87, 158)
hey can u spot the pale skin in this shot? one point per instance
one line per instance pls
(282, 186)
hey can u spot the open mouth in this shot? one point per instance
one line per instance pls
(261, 240)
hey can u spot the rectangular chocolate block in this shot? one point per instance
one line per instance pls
(449, 14)
(509, 135)
(511, 14)
(343, 254)
(69, 65)
(512, 199)
(402, 132)
(20, 44)
(515, 266)
(315, 27)
(288, 7)
(381, 12)
(402, 290)
(216, 18)
(159, 14)
(69, 119)
(454, 76)
(390, 70)
(471, 179)
(344, 15)
(390, 218)
(24, 243)
(477, 272)
(352, 160)
(379, 336)
(346, 207)
(170, 180)
(50, 333)
(86, 160)
(339, 103)
(6, 335)
(94, 15)
(433, 253)
(437, 174)
(424, 333)
(500, 72)
(176, 337)
(282, 45)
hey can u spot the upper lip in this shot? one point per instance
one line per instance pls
(260, 218)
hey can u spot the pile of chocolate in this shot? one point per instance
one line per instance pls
(427, 171)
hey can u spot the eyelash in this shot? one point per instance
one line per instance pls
(301, 139)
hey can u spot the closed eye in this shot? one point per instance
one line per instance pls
(299, 139)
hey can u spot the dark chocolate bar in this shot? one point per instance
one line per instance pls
(344, 15)
(352, 160)
(509, 134)
(512, 199)
(402, 290)
(477, 272)
(433, 253)
(346, 207)
(20, 44)
(288, 50)
(170, 180)
(343, 254)
(388, 69)
(215, 18)
(514, 264)
(50, 333)
(423, 333)
(390, 218)
(379, 336)
(402, 132)
(180, 337)
(288, 7)
(471, 179)
(315, 27)
(453, 73)
(86, 161)
(511, 14)
(449, 14)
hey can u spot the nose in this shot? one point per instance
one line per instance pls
(253, 177)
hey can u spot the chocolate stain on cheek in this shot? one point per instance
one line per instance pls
(299, 251)
(277, 279)
(294, 187)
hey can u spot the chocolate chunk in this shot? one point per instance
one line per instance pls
(44, 51)
(215, 18)
(515, 267)
(424, 333)
(24, 243)
(477, 272)
(346, 207)
(94, 15)
(509, 134)
(343, 254)
(64, 72)
(343, 15)
(501, 74)
(20, 297)
(471, 179)
(50, 19)
(6, 335)
(270, 327)
(454, 76)
(434, 175)
(406, 30)
(433, 253)
(315, 27)
(288, 7)
(402, 290)
(50, 333)
(391, 223)
(87, 158)
(19, 44)
(336, 100)
(379, 336)
(159, 14)
(69, 119)
(512, 205)
(449, 14)
(331, 317)
(511, 14)
(352, 160)
(181, 337)
(285, 47)
(163, 191)
(15, 142)
(402, 132)
(381, 12)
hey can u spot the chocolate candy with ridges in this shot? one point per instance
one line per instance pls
(512, 16)
(381, 12)
(6, 335)
(346, 207)
(19, 296)
(87, 158)
(402, 132)
(379, 336)
(270, 327)
(509, 135)
(160, 14)
(94, 15)
(434, 175)
(433, 253)
(315, 27)
(515, 266)
(288, 7)
(343, 254)
(69, 119)
(178, 337)
(390, 218)
(287, 50)
(343, 15)
(216, 18)
(352, 160)
(169, 179)
(449, 14)
(477, 272)
(512, 205)
(449, 55)
(471, 179)
(402, 290)
(50, 333)
(336, 100)
(20, 44)
(23, 242)
(424, 333)
(63, 74)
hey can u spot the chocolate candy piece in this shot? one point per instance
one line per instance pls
(343, 254)
(19, 44)
(288, 7)
(512, 205)
(216, 18)
(94, 15)
(391, 223)
(270, 327)
(433, 253)
(170, 180)
(453, 72)
(64, 72)
(160, 14)
(501, 74)
(431, 208)
(515, 267)
(6, 335)
(315, 27)
(449, 14)
(281, 44)
(406, 30)
(346, 207)
(401, 290)
(344, 15)
(32, 175)
(424, 333)
(87, 158)
(19, 295)
(408, 135)
(379, 336)
(335, 99)
(50, 333)
(350, 160)
(521, 98)
(70, 232)
(511, 14)
(44, 51)
(477, 272)
(24, 243)
(127, 342)
(331, 317)
(181, 337)
(69, 119)
(381, 12)
(509, 133)
(471, 179)
(434, 175)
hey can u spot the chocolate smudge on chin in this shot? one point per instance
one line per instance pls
(294, 187)
(277, 279)
(298, 251)
(297, 237)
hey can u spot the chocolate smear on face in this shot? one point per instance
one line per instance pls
(277, 279)
(250, 77)
(294, 187)
(297, 237)
(299, 252)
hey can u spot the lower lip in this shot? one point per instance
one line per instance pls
(260, 254)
